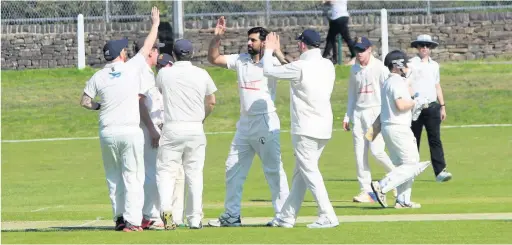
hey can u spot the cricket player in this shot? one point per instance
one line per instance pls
(188, 93)
(395, 120)
(425, 80)
(257, 130)
(366, 79)
(121, 138)
(311, 84)
(152, 115)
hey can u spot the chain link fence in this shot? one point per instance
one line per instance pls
(40, 12)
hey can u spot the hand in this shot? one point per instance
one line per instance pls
(221, 26)
(155, 16)
(155, 137)
(272, 41)
(346, 126)
(443, 113)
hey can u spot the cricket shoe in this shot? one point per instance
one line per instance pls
(130, 228)
(379, 195)
(226, 220)
(277, 222)
(364, 197)
(444, 176)
(168, 222)
(400, 205)
(324, 222)
(152, 225)
(196, 227)
(120, 224)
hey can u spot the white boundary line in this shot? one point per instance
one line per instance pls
(232, 132)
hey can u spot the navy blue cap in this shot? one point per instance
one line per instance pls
(310, 37)
(164, 59)
(113, 48)
(183, 47)
(362, 43)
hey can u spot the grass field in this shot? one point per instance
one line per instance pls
(64, 180)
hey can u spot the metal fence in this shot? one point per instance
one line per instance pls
(40, 12)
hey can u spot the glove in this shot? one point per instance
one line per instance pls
(421, 103)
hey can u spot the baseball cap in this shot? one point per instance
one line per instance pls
(310, 37)
(362, 43)
(396, 59)
(164, 59)
(140, 43)
(113, 48)
(183, 47)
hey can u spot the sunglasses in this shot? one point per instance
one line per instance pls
(426, 45)
(359, 50)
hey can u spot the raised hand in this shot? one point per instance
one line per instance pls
(155, 16)
(221, 26)
(272, 41)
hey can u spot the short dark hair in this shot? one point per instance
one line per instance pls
(260, 30)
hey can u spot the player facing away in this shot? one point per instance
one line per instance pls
(188, 94)
(121, 138)
(311, 84)
(395, 120)
(363, 107)
(257, 130)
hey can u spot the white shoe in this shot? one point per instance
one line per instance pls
(400, 205)
(379, 195)
(444, 176)
(277, 222)
(324, 222)
(363, 197)
(226, 220)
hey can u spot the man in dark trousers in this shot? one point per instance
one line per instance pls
(338, 24)
(425, 80)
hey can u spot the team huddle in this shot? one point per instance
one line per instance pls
(153, 143)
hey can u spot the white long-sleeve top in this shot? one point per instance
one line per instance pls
(365, 84)
(311, 84)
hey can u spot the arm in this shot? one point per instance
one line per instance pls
(214, 56)
(144, 113)
(352, 96)
(404, 104)
(87, 103)
(209, 104)
(440, 96)
(280, 57)
(288, 71)
(151, 39)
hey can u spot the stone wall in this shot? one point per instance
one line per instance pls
(462, 36)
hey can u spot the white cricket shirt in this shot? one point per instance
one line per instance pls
(311, 84)
(153, 101)
(365, 84)
(424, 77)
(184, 87)
(118, 86)
(395, 87)
(338, 9)
(257, 92)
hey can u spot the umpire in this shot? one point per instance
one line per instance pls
(425, 80)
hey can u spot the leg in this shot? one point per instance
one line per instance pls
(193, 164)
(269, 152)
(131, 150)
(361, 153)
(178, 199)
(330, 43)
(377, 146)
(292, 204)
(151, 210)
(433, 127)
(345, 34)
(115, 183)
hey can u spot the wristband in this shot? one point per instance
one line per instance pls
(99, 106)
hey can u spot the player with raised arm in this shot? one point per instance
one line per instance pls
(257, 130)
(121, 138)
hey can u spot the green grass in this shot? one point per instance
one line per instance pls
(45, 103)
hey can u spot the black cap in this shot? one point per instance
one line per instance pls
(113, 48)
(396, 59)
(310, 37)
(183, 47)
(164, 59)
(140, 43)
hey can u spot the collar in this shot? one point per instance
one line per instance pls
(182, 63)
(421, 60)
(149, 68)
(112, 64)
(312, 53)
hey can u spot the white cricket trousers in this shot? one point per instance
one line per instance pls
(122, 150)
(404, 154)
(362, 121)
(260, 135)
(182, 145)
(151, 210)
(306, 175)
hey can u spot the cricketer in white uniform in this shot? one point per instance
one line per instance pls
(258, 129)
(395, 120)
(188, 93)
(121, 138)
(151, 109)
(366, 79)
(311, 84)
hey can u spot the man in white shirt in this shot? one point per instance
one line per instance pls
(188, 94)
(311, 84)
(121, 138)
(425, 80)
(258, 129)
(395, 119)
(338, 24)
(366, 79)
